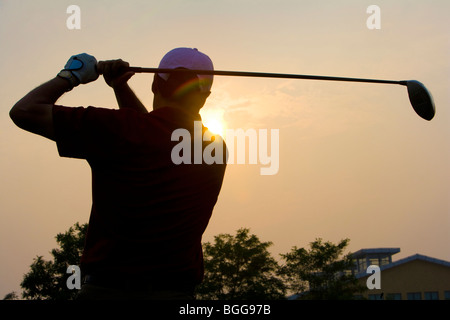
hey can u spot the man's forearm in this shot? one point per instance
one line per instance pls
(126, 98)
(47, 93)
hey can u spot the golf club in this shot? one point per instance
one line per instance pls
(420, 98)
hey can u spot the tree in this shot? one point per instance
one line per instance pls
(11, 296)
(236, 267)
(240, 268)
(319, 274)
(47, 279)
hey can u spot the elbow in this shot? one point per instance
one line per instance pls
(18, 114)
(35, 118)
(14, 114)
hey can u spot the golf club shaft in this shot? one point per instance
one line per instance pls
(263, 75)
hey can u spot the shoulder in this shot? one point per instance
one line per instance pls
(92, 113)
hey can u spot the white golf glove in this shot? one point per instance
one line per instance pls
(81, 68)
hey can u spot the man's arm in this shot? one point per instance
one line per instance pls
(34, 111)
(126, 98)
(116, 76)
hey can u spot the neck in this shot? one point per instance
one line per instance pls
(186, 106)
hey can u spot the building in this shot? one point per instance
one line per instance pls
(417, 277)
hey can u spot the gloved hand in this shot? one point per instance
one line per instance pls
(83, 68)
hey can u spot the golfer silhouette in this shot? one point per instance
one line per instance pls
(148, 213)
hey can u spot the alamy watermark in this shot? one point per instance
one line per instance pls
(236, 151)
(74, 280)
(374, 281)
(374, 20)
(73, 22)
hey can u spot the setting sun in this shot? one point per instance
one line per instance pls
(215, 126)
(213, 120)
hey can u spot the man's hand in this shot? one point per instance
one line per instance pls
(81, 68)
(116, 76)
(115, 72)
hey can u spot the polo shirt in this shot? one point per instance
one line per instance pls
(148, 214)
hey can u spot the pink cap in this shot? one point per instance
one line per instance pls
(190, 59)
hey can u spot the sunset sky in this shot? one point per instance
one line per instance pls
(355, 161)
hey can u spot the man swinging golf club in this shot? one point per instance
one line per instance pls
(148, 214)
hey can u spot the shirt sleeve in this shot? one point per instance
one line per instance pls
(90, 132)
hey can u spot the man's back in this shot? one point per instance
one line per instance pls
(148, 214)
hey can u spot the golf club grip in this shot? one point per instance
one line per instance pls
(261, 75)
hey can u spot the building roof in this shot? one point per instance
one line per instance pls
(406, 260)
(364, 252)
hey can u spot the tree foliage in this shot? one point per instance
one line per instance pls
(239, 268)
(320, 272)
(11, 296)
(47, 279)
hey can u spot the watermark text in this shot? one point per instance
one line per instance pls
(243, 146)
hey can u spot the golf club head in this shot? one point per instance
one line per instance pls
(421, 99)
